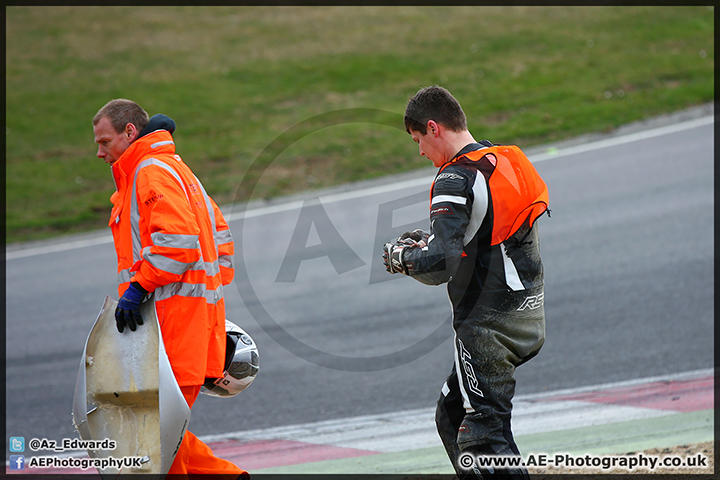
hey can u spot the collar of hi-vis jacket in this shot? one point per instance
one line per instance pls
(157, 142)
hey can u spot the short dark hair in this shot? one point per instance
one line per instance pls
(434, 103)
(121, 111)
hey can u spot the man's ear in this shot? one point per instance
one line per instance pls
(131, 132)
(433, 128)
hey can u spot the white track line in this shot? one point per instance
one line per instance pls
(412, 429)
(381, 189)
(424, 182)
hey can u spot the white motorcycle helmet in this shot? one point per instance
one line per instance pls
(241, 364)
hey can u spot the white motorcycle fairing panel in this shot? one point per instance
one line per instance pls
(126, 392)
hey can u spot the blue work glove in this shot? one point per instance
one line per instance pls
(128, 308)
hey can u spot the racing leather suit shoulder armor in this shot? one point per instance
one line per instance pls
(451, 207)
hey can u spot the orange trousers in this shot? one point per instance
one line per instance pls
(194, 457)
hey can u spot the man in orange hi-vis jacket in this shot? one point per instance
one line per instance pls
(171, 239)
(483, 242)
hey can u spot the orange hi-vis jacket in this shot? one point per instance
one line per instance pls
(479, 201)
(518, 192)
(172, 239)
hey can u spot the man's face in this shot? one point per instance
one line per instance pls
(428, 147)
(111, 144)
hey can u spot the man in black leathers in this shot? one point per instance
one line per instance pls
(483, 242)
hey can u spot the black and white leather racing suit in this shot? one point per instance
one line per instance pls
(496, 292)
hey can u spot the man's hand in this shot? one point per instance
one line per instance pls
(417, 238)
(393, 251)
(392, 257)
(128, 307)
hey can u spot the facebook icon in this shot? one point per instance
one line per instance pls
(17, 462)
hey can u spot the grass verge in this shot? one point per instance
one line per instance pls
(235, 79)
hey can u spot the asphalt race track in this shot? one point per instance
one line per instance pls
(628, 254)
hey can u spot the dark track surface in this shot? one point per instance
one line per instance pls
(629, 263)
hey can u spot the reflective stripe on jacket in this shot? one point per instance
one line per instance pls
(171, 237)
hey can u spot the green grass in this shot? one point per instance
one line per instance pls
(275, 100)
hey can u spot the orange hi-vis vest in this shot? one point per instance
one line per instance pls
(516, 188)
(171, 237)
